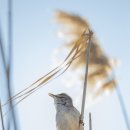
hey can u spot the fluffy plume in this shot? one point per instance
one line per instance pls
(106, 87)
(100, 68)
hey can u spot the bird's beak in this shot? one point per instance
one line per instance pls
(52, 95)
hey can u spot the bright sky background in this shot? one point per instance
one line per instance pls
(34, 40)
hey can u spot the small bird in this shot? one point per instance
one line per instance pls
(67, 116)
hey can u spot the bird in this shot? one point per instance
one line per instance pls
(67, 116)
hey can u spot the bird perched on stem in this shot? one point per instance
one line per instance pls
(67, 116)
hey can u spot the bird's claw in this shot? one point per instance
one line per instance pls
(81, 122)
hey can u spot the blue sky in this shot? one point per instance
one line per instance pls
(34, 40)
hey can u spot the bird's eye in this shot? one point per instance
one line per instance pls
(62, 97)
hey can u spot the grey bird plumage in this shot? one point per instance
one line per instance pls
(67, 116)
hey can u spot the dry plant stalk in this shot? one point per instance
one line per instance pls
(56, 72)
(1, 117)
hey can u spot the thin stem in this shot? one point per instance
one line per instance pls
(123, 108)
(2, 51)
(90, 122)
(85, 80)
(9, 66)
(1, 115)
(4, 64)
(85, 77)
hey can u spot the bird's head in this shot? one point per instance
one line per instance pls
(62, 100)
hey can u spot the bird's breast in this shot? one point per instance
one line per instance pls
(67, 120)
